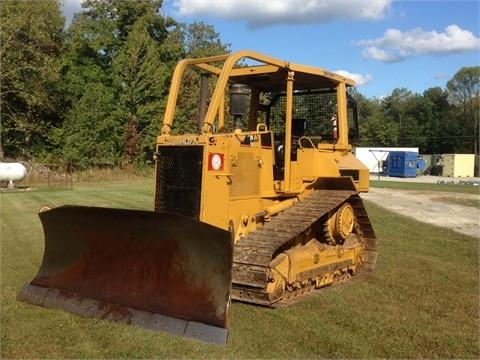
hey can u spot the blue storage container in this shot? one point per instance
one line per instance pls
(402, 164)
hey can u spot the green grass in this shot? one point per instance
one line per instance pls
(421, 302)
(458, 188)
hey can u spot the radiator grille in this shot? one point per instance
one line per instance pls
(179, 180)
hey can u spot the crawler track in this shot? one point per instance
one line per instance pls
(253, 253)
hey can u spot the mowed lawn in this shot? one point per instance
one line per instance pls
(421, 302)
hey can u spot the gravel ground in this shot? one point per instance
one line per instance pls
(429, 179)
(433, 207)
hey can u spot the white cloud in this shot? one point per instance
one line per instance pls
(372, 52)
(396, 45)
(359, 78)
(264, 13)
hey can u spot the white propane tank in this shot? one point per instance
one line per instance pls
(12, 172)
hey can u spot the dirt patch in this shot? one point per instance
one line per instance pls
(432, 207)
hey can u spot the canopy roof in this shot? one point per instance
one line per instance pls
(267, 73)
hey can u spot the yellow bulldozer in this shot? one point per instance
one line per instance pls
(260, 205)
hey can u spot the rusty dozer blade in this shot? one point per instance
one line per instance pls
(157, 270)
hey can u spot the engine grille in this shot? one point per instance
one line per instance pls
(179, 180)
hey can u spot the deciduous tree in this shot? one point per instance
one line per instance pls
(464, 91)
(30, 45)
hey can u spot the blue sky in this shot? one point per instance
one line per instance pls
(382, 44)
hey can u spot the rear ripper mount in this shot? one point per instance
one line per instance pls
(170, 281)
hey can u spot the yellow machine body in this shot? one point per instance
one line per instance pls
(245, 183)
(272, 136)
(259, 205)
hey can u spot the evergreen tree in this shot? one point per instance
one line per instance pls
(441, 129)
(200, 40)
(115, 46)
(90, 135)
(141, 76)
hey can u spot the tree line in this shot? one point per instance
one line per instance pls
(439, 121)
(93, 93)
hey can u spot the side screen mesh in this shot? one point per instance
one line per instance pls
(315, 108)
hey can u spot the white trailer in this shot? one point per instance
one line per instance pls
(372, 156)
